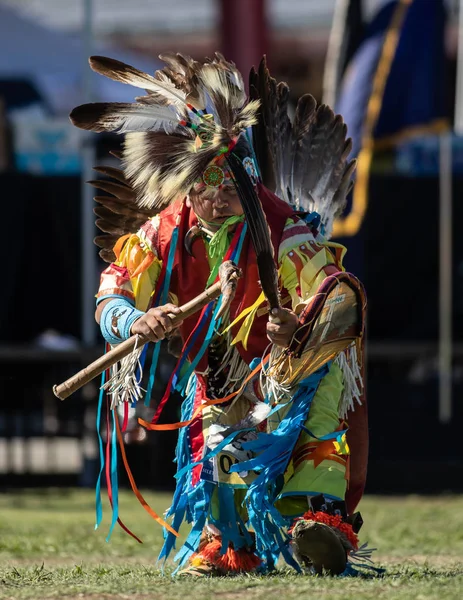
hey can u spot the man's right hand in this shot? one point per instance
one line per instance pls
(156, 323)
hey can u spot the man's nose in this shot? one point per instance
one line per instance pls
(219, 201)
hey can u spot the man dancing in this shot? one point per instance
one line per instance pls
(271, 456)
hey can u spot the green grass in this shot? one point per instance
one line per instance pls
(48, 549)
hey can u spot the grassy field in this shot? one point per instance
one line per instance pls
(48, 549)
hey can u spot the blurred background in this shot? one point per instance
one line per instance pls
(393, 69)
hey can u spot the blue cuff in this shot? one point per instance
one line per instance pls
(117, 318)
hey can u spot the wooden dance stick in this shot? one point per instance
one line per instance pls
(229, 275)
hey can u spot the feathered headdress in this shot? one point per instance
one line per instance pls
(192, 113)
(195, 113)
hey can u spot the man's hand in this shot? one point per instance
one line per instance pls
(156, 323)
(282, 332)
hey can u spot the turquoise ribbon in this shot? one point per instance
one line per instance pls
(210, 332)
(163, 300)
(98, 503)
(114, 478)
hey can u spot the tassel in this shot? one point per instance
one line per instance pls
(353, 384)
(111, 474)
(333, 521)
(232, 561)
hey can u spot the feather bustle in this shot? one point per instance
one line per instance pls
(302, 140)
(121, 191)
(118, 213)
(117, 174)
(106, 242)
(283, 139)
(305, 162)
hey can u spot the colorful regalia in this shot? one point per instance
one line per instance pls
(272, 447)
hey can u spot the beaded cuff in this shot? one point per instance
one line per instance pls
(117, 318)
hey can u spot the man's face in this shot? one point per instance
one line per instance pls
(215, 205)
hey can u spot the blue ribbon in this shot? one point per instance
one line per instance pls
(179, 507)
(210, 332)
(239, 246)
(163, 300)
(179, 384)
(275, 450)
(214, 452)
(114, 479)
(335, 435)
(314, 219)
(98, 504)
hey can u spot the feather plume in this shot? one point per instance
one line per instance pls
(323, 173)
(272, 133)
(261, 143)
(106, 242)
(121, 117)
(162, 158)
(123, 209)
(283, 142)
(121, 191)
(119, 71)
(258, 230)
(116, 174)
(302, 142)
(118, 213)
(162, 168)
(182, 71)
(305, 162)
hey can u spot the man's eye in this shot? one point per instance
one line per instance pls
(209, 195)
(230, 190)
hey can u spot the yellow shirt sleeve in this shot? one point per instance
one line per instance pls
(303, 259)
(135, 272)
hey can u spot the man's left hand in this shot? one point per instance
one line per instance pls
(281, 333)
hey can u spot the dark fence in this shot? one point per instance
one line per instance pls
(43, 440)
(46, 441)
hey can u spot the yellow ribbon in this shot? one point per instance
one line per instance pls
(342, 447)
(248, 314)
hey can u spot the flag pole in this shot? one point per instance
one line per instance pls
(459, 85)
(446, 240)
(332, 74)
(88, 275)
(445, 277)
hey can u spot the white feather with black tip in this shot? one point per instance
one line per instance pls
(119, 71)
(125, 117)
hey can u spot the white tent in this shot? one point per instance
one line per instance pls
(54, 63)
